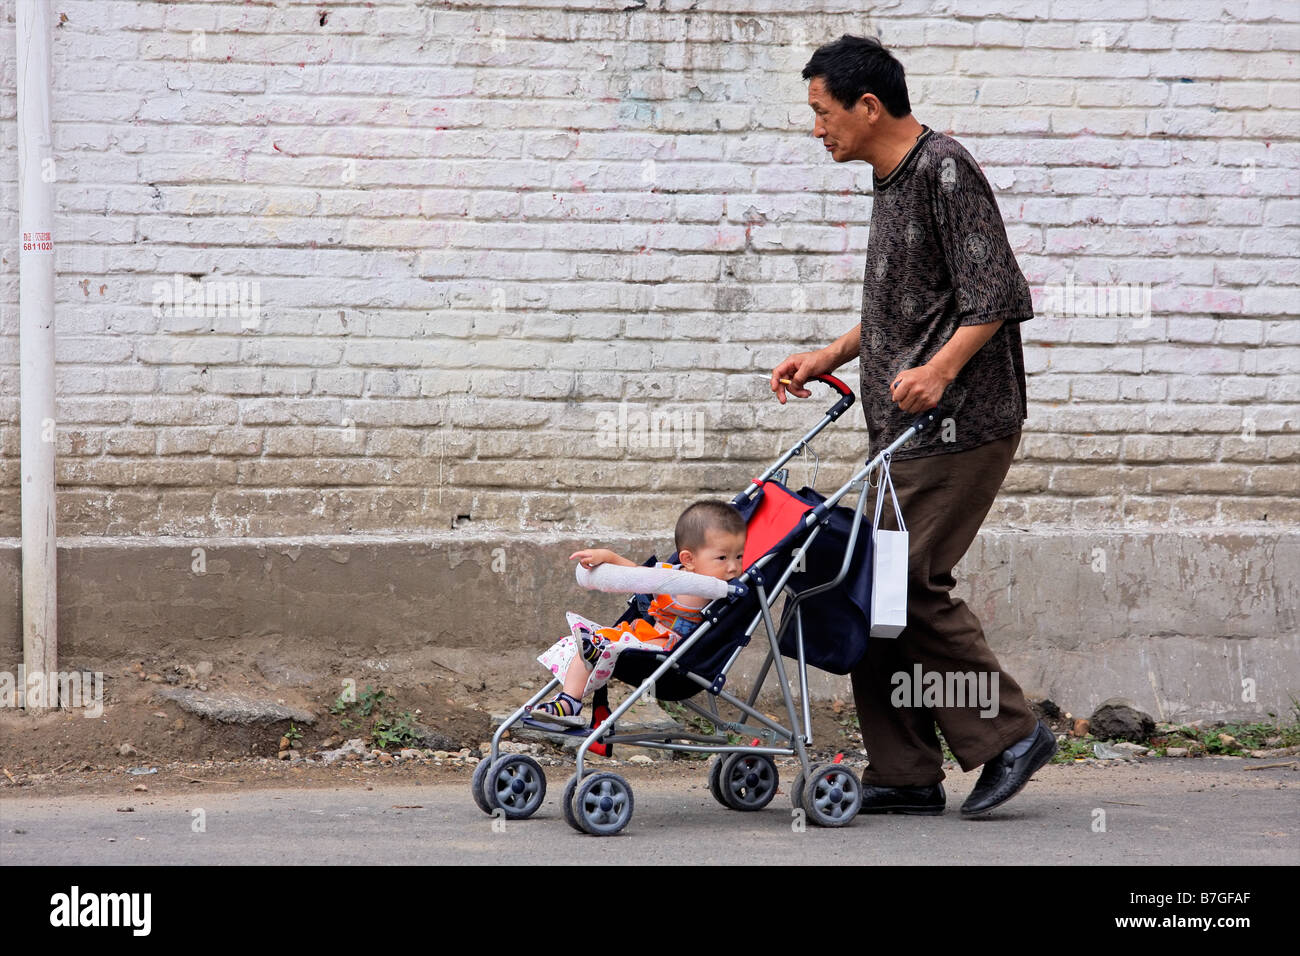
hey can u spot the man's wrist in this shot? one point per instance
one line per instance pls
(944, 370)
(965, 342)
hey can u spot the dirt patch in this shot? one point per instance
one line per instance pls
(137, 726)
(139, 729)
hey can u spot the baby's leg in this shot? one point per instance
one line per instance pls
(581, 649)
(576, 672)
(575, 678)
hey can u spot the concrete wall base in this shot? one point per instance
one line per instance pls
(1187, 624)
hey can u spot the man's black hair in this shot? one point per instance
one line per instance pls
(852, 66)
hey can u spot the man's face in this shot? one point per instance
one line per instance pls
(843, 132)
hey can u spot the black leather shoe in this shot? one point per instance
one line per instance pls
(1004, 776)
(925, 801)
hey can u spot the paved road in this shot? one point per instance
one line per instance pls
(1168, 812)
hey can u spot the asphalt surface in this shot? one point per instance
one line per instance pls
(1163, 812)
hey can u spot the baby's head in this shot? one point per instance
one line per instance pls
(710, 539)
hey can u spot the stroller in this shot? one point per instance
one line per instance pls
(799, 545)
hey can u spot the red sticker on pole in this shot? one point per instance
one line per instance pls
(38, 242)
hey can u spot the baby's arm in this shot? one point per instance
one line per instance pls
(592, 557)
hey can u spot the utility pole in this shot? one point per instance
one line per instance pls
(36, 175)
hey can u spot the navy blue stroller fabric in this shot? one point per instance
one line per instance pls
(836, 623)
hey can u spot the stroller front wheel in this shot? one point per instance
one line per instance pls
(566, 801)
(516, 784)
(476, 786)
(603, 804)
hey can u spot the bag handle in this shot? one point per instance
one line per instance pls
(886, 480)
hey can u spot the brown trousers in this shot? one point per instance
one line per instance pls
(944, 499)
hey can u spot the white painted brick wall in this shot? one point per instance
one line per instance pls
(474, 227)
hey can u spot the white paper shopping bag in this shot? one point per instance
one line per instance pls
(888, 567)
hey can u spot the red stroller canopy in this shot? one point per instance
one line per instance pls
(779, 512)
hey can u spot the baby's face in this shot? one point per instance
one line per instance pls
(721, 556)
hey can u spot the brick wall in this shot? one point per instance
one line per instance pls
(394, 266)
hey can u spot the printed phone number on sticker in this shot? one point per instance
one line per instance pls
(38, 242)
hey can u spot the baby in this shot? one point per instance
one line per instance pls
(710, 540)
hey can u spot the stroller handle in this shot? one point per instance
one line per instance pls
(926, 419)
(846, 396)
(836, 384)
(834, 412)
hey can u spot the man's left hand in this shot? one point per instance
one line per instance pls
(918, 389)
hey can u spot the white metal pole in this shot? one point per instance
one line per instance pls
(36, 322)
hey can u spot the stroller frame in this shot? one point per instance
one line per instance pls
(600, 803)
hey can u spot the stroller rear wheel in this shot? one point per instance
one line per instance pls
(603, 804)
(747, 781)
(516, 784)
(832, 796)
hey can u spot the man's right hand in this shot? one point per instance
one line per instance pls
(799, 369)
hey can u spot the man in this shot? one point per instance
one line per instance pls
(942, 301)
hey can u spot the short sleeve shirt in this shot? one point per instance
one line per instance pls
(938, 258)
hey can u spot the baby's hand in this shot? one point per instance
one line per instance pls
(592, 557)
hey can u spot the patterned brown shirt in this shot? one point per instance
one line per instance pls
(938, 258)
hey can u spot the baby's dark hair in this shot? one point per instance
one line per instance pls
(701, 518)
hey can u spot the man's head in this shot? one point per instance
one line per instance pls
(710, 539)
(857, 92)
